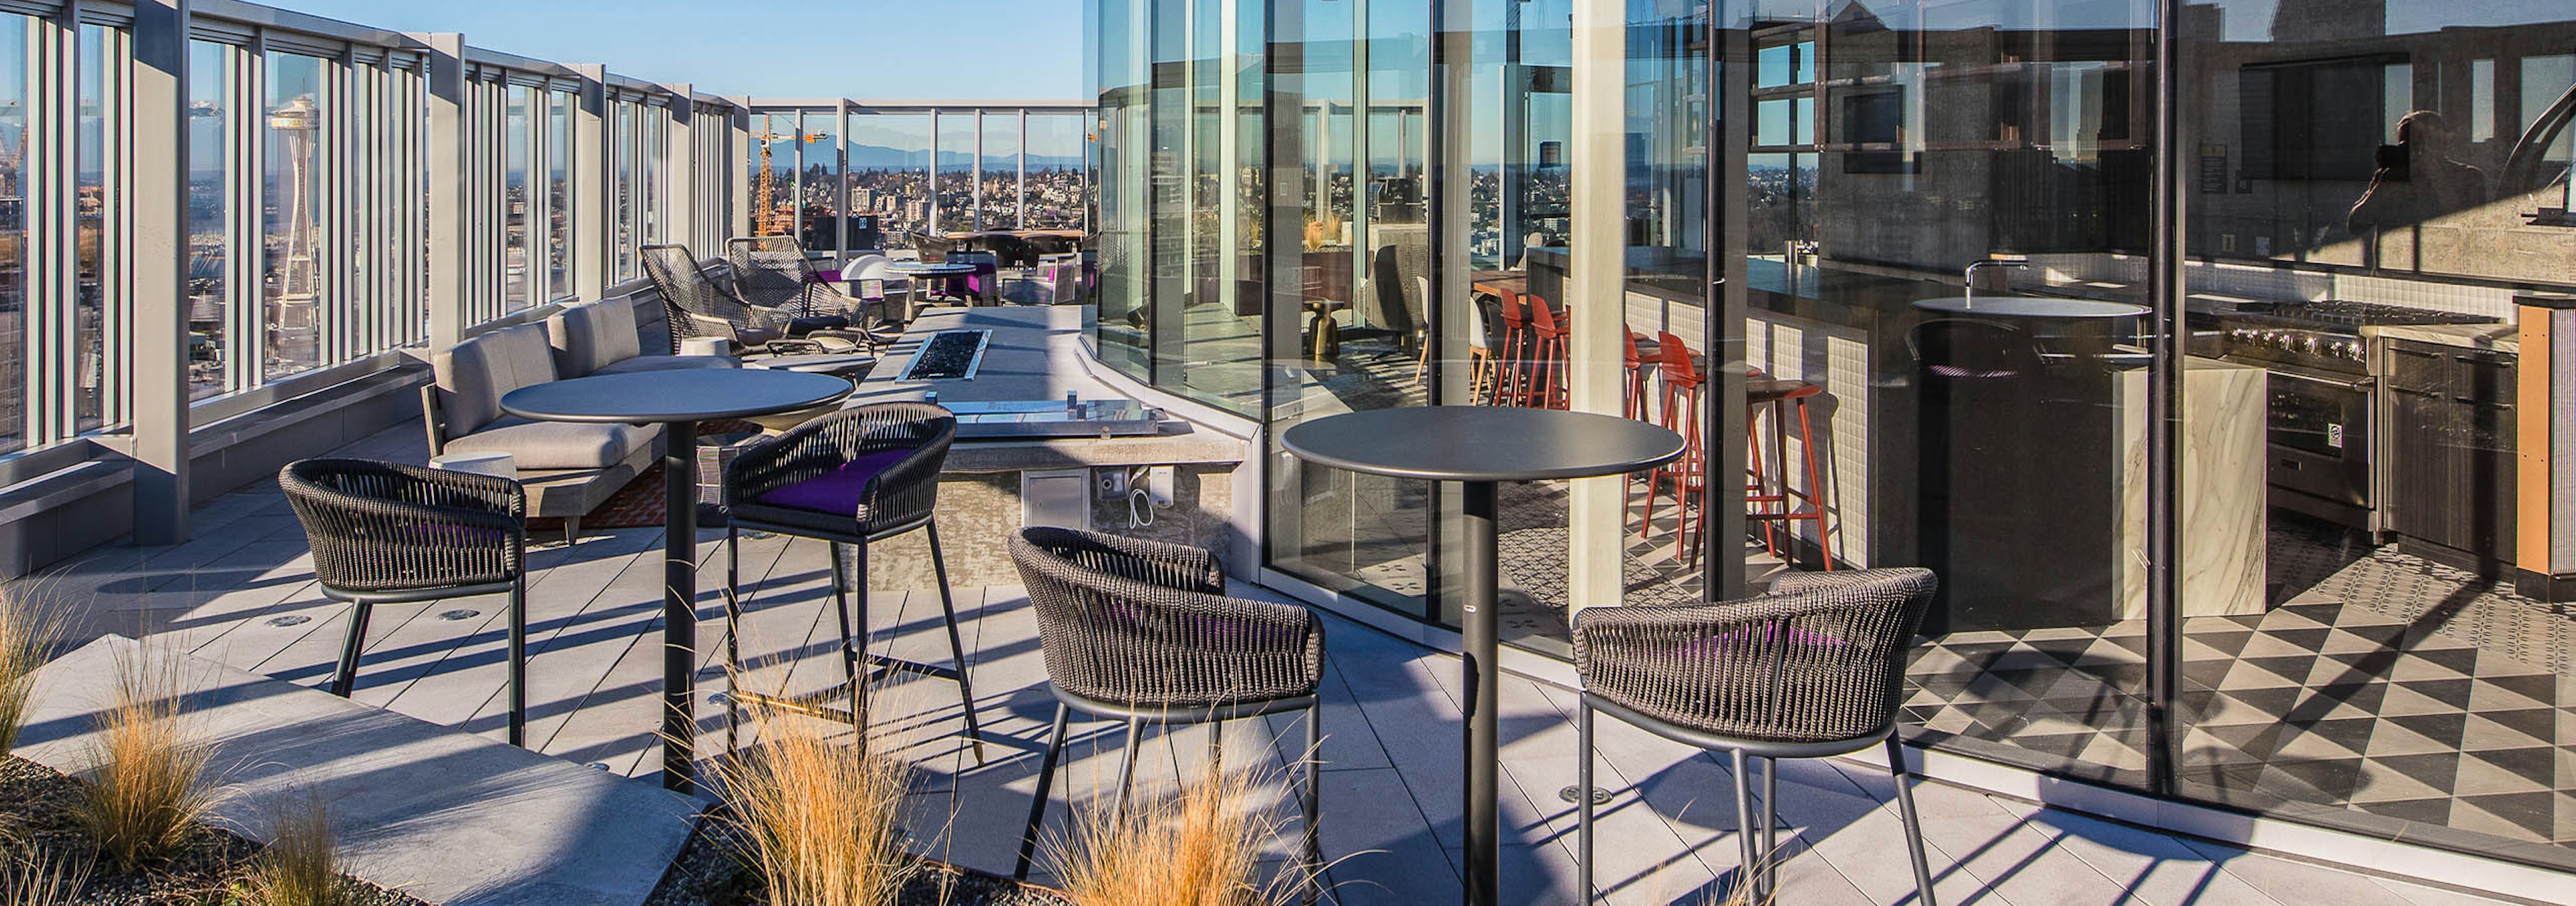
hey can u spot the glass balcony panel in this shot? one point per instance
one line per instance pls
(211, 177)
(889, 161)
(290, 291)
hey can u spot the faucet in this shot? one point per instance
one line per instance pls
(1969, 277)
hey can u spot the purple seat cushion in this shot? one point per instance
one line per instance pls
(838, 491)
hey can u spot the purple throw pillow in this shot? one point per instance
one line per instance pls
(839, 491)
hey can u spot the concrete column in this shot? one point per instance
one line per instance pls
(1596, 298)
(680, 191)
(160, 271)
(448, 146)
(594, 214)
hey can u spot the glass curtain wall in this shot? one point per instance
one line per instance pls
(2376, 232)
(1933, 346)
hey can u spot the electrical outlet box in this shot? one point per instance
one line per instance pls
(1110, 482)
(1158, 486)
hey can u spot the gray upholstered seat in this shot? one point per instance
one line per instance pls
(557, 445)
(601, 338)
(567, 469)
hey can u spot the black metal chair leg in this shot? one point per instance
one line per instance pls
(1744, 826)
(1314, 803)
(857, 654)
(519, 662)
(1913, 823)
(1583, 802)
(1770, 829)
(346, 680)
(1037, 806)
(956, 645)
(1127, 764)
(849, 652)
(733, 638)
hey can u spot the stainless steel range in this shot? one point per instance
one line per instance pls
(2324, 393)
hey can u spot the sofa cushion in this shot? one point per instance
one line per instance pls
(557, 445)
(840, 491)
(473, 375)
(668, 363)
(589, 336)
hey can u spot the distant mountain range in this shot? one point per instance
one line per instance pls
(881, 157)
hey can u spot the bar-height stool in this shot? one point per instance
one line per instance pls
(1778, 508)
(1141, 631)
(1687, 475)
(858, 475)
(388, 533)
(1481, 363)
(1552, 335)
(1814, 669)
(1511, 387)
(1635, 363)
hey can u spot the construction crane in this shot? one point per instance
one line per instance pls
(770, 219)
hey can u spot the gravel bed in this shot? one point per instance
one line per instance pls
(36, 826)
(708, 873)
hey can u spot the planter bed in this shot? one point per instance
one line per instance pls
(35, 822)
(708, 873)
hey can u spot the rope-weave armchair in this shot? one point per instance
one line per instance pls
(385, 533)
(1142, 631)
(1812, 669)
(696, 306)
(386, 527)
(1820, 658)
(1146, 625)
(773, 272)
(858, 475)
(900, 493)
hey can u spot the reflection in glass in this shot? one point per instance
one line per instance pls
(289, 290)
(14, 118)
(210, 178)
(98, 302)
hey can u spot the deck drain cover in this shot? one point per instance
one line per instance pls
(459, 614)
(719, 698)
(292, 619)
(597, 766)
(1599, 796)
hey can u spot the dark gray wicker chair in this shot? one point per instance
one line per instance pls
(858, 475)
(696, 306)
(1142, 631)
(773, 272)
(387, 533)
(1815, 668)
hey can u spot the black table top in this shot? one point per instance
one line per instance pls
(691, 395)
(1482, 443)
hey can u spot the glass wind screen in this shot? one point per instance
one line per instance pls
(889, 161)
(290, 290)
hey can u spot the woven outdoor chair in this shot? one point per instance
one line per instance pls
(772, 272)
(1814, 669)
(858, 475)
(696, 306)
(1142, 631)
(387, 533)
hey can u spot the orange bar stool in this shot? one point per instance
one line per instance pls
(1552, 337)
(1687, 475)
(1636, 364)
(1511, 381)
(1774, 500)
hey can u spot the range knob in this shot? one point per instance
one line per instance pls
(2310, 344)
(2351, 349)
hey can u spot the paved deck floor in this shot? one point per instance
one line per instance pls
(241, 592)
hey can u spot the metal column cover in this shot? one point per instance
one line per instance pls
(160, 267)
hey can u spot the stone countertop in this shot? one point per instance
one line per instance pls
(1035, 353)
(2504, 338)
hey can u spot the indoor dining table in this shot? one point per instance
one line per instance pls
(1480, 447)
(678, 401)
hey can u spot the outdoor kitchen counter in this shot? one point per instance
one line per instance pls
(2506, 338)
(991, 486)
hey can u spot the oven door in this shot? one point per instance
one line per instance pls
(2319, 440)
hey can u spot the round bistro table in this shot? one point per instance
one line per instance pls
(949, 275)
(677, 400)
(1479, 447)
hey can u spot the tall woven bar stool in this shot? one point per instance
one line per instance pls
(388, 533)
(862, 474)
(1141, 631)
(1812, 670)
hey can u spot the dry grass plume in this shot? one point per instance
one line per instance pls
(150, 792)
(301, 866)
(1200, 846)
(822, 819)
(27, 630)
(24, 881)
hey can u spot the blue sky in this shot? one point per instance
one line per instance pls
(894, 49)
